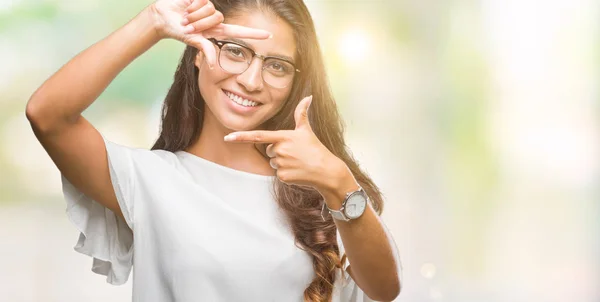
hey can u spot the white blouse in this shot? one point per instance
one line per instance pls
(203, 232)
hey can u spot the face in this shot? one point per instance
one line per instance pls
(217, 85)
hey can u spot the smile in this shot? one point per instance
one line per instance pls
(240, 101)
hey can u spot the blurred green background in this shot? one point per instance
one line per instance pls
(480, 121)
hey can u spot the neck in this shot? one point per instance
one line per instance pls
(211, 146)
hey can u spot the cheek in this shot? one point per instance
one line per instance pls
(207, 80)
(206, 76)
(280, 98)
(203, 83)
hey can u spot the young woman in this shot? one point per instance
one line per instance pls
(249, 193)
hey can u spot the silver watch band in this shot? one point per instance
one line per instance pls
(339, 214)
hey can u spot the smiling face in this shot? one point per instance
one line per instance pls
(225, 94)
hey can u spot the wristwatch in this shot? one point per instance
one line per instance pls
(353, 206)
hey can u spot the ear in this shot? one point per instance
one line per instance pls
(199, 60)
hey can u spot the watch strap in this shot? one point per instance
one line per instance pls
(339, 214)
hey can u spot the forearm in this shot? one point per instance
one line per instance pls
(65, 95)
(374, 267)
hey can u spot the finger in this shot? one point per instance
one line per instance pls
(205, 23)
(288, 176)
(273, 163)
(210, 54)
(205, 49)
(257, 136)
(238, 31)
(301, 113)
(195, 41)
(270, 151)
(196, 4)
(203, 12)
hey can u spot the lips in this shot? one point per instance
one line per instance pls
(241, 96)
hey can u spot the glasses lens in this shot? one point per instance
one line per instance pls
(278, 73)
(234, 58)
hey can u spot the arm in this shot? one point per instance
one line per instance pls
(60, 101)
(301, 159)
(54, 110)
(374, 267)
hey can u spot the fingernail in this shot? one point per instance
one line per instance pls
(188, 29)
(271, 36)
(185, 21)
(229, 137)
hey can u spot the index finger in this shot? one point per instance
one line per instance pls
(256, 136)
(238, 31)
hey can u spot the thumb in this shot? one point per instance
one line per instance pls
(301, 113)
(209, 52)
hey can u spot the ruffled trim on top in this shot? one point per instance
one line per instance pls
(104, 236)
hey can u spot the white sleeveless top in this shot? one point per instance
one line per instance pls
(203, 232)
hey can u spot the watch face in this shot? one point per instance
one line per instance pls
(355, 205)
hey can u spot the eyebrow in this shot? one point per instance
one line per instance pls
(274, 55)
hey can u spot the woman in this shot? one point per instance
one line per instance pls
(232, 202)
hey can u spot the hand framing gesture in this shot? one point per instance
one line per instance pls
(297, 155)
(193, 21)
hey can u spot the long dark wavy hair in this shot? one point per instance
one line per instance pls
(182, 117)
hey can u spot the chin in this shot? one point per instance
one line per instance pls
(239, 124)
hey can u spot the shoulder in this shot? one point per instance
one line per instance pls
(163, 161)
(165, 156)
(143, 158)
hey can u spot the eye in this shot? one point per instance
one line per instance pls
(235, 52)
(279, 67)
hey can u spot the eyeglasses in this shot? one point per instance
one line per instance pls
(235, 58)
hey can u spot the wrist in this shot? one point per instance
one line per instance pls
(337, 184)
(151, 18)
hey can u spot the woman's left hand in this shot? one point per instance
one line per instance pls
(297, 155)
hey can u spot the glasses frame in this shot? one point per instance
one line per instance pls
(220, 45)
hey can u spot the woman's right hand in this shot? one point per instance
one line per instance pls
(194, 21)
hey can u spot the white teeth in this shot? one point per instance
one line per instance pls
(241, 101)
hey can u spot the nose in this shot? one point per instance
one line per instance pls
(252, 77)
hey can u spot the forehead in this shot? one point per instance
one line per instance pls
(282, 43)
